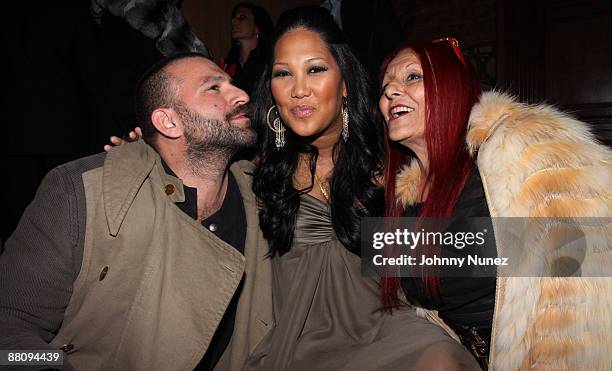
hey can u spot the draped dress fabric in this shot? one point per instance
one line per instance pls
(329, 317)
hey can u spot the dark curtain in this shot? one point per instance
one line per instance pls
(68, 86)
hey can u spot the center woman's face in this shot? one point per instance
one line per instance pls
(307, 84)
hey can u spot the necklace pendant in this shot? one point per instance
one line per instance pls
(323, 190)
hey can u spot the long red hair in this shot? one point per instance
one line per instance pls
(451, 89)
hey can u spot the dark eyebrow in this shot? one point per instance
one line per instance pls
(307, 61)
(315, 58)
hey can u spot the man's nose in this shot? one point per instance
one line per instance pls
(239, 96)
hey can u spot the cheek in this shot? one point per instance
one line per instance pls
(279, 92)
(419, 95)
(216, 112)
(422, 124)
(281, 95)
(329, 91)
(331, 86)
(383, 106)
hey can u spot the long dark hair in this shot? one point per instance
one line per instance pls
(357, 162)
(451, 90)
(266, 32)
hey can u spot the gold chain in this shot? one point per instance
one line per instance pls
(320, 184)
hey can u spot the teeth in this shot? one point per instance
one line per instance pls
(397, 111)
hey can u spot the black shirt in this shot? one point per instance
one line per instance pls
(464, 301)
(245, 76)
(229, 224)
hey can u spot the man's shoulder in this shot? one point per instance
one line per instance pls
(68, 177)
(74, 169)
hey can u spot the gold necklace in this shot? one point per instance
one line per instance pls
(320, 184)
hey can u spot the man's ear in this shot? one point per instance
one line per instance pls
(167, 123)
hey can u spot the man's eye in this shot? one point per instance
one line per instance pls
(280, 74)
(215, 88)
(317, 69)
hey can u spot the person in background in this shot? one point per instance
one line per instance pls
(252, 30)
(455, 153)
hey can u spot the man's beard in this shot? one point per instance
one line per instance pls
(209, 140)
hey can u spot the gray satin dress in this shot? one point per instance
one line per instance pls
(328, 315)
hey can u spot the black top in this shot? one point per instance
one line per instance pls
(229, 224)
(245, 76)
(463, 301)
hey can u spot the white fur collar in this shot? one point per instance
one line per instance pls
(510, 127)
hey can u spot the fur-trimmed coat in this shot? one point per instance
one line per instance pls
(535, 161)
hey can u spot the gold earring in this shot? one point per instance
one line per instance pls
(345, 120)
(277, 127)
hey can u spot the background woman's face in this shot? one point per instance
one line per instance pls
(307, 84)
(402, 102)
(243, 24)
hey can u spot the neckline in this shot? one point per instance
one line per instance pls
(320, 202)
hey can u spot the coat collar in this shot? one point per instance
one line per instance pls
(407, 184)
(242, 171)
(125, 169)
(486, 117)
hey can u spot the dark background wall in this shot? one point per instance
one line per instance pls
(554, 51)
(68, 81)
(210, 20)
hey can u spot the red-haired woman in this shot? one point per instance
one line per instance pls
(455, 154)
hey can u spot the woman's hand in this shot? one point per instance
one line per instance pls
(116, 141)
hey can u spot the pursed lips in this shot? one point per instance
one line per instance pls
(302, 111)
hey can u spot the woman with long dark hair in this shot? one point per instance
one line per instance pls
(450, 156)
(319, 172)
(252, 30)
(321, 148)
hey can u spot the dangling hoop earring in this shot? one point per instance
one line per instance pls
(345, 120)
(277, 127)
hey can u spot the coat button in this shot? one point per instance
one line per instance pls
(67, 348)
(103, 273)
(169, 189)
(213, 227)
